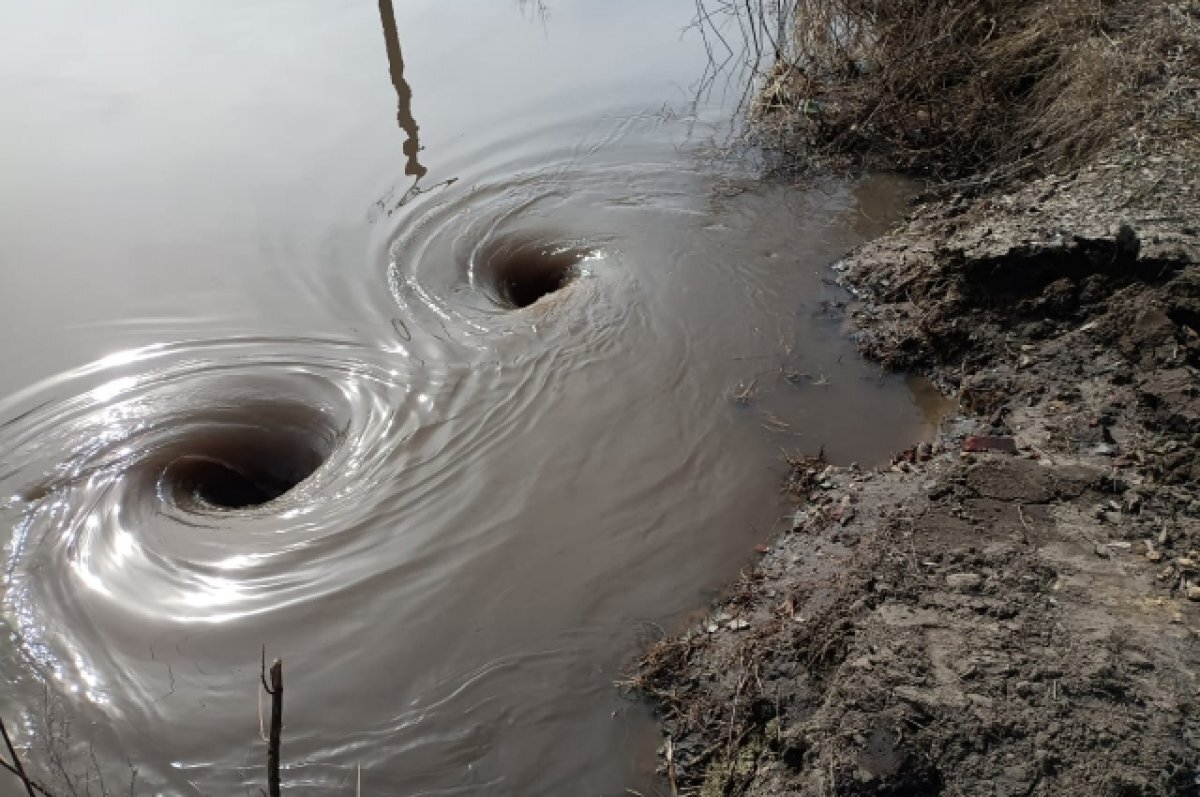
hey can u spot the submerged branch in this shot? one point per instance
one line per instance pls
(16, 767)
(275, 690)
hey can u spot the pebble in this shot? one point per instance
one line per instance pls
(739, 624)
(1151, 554)
(1193, 593)
(964, 581)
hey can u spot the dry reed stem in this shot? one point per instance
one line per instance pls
(954, 88)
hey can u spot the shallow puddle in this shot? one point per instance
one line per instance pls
(434, 347)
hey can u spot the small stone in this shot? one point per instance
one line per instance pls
(924, 452)
(739, 624)
(1186, 565)
(1151, 553)
(964, 581)
(1193, 592)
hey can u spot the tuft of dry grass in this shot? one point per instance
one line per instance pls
(803, 472)
(955, 88)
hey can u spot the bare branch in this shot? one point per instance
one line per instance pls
(276, 692)
(16, 767)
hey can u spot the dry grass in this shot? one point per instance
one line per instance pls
(802, 473)
(952, 88)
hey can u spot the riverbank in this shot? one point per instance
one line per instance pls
(1015, 608)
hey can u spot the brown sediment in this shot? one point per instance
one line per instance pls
(1023, 619)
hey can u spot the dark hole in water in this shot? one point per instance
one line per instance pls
(242, 466)
(236, 485)
(522, 271)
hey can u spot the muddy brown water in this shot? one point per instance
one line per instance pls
(429, 346)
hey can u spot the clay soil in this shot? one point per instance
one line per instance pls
(1013, 609)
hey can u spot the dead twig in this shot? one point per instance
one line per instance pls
(275, 690)
(16, 768)
(671, 772)
(37, 787)
(1024, 521)
(745, 391)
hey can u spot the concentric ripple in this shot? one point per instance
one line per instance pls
(535, 240)
(445, 439)
(195, 483)
(452, 522)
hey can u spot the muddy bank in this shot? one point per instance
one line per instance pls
(1014, 609)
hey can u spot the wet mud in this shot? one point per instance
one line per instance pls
(1013, 608)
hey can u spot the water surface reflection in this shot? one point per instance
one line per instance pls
(448, 464)
(404, 116)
